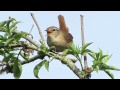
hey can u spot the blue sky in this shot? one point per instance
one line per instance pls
(101, 27)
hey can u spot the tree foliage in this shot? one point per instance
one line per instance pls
(16, 48)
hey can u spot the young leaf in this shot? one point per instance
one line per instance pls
(3, 28)
(96, 69)
(50, 48)
(110, 74)
(9, 41)
(67, 51)
(3, 23)
(97, 56)
(1, 37)
(105, 60)
(47, 65)
(8, 24)
(100, 52)
(38, 67)
(17, 69)
(102, 57)
(17, 36)
(24, 33)
(105, 66)
(74, 50)
(92, 55)
(13, 25)
(86, 45)
(7, 57)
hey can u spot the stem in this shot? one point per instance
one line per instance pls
(19, 45)
(31, 28)
(19, 53)
(30, 60)
(68, 62)
(40, 33)
(29, 39)
(80, 61)
(83, 41)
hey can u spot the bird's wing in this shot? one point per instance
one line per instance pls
(68, 37)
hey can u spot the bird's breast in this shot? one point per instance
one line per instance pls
(59, 42)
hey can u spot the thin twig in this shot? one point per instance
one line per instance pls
(31, 59)
(40, 33)
(19, 45)
(31, 31)
(31, 28)
(83, 41)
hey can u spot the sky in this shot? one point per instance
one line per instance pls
(100, 27)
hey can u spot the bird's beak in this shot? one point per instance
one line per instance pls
(48, 31)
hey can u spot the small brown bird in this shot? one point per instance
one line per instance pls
(59, 37)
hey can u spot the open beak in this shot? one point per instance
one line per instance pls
(48, 31)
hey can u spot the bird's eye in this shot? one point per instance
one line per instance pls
(54, 29)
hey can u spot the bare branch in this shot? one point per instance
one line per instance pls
(31, 59)
(83, 41)
(40, 33)
(31, 28)
(19, 45)
(29, 39)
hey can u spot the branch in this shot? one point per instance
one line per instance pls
(19, 45)
(25, 37)
(31, 59)
(31, 28)
(40, 33)
(29, 39)
(83, 41)
(68, 62)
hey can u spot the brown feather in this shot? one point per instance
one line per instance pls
(68, 37)
(62, 23)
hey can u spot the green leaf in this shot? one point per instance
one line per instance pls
(105, 66)
(96, 69)
(74, 50)
(51, 48)
(47, 65)
(92, 55)
(8, 24)
(100, 52)
(17, 69)
(3, 23)
(96, 63)
(38, 67)
(9, 41)
(20, 35)
(65, 51)
(1, 37)
(72, 47)
(7, 57)
(17, 36)
(85, 51)
(86, 45)
(13, 25)
(24, 33)
(41, 54)
(97, 56)
(102, 57)
(3, 28)
(105, 60)
(110, 74)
